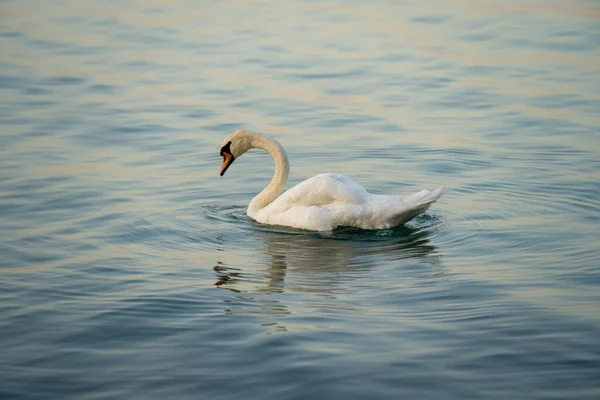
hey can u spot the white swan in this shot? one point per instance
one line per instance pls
(323, 202)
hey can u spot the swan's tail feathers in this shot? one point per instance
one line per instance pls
(417, 203)
(425, 197)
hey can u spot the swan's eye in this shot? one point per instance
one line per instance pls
(225, 149)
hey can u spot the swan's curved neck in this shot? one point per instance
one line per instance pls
(282, 168)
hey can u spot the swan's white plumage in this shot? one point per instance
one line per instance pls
(325, 201)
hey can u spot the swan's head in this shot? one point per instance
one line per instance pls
(234, 145)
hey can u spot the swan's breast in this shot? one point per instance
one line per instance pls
(296, 215)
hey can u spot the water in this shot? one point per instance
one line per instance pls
(129, 268)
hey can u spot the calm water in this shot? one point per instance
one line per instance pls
(129, 267)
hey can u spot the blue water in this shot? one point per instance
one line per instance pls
(129, 269)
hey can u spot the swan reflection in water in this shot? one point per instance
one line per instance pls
(322, 262)
(326, 265)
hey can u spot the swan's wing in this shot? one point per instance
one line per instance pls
(325, 189)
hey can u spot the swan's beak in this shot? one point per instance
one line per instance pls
(227, 161)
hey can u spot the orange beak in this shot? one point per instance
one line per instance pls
(227, 161)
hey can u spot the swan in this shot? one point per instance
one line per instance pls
(323, 202)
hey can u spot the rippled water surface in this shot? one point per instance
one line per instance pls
(129, 267)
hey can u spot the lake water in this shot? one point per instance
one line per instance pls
(130, 270)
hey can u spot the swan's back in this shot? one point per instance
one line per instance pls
(325, 189)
